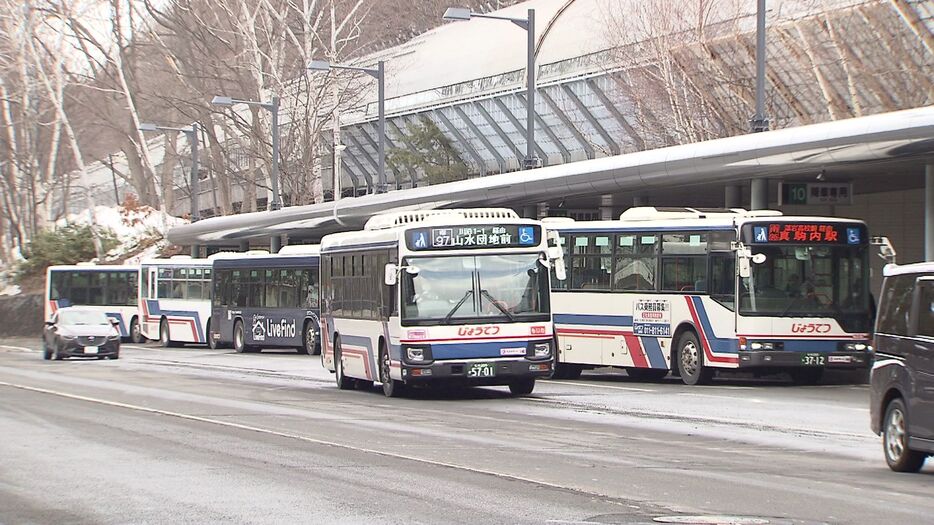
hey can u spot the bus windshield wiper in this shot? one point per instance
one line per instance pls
(498, 306)
(447, 318)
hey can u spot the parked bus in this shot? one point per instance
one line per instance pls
(264, 300)
(693, 291)
(109, 288)
(175, 300)
(438, 296)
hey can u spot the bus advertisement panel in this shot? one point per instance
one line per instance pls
(111, 289)
(692, 291)
(175, 300)
(267, 301)
(440, 296)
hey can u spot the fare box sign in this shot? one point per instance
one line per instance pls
(652, 317)
(473, 236)
(807, 233)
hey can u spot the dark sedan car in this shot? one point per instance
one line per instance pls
(77, 332)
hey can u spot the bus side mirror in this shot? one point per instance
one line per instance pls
(744, 267)
(391, 274)
(758, 258)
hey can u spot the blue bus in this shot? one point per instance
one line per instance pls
(262, 300)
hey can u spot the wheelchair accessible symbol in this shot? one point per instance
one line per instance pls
(852, 235)
(526, 235)
(421, 240)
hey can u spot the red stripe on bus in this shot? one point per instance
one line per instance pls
(703, 337)
(636, 351)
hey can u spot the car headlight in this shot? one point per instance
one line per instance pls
(415, 354)
(113, 336)
(542, 349)
(69, 337)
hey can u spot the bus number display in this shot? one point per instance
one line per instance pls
(467, 237)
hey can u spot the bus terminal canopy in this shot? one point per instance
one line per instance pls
(859, 147)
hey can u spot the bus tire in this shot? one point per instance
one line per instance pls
(310, 344)
(899, 457)
(647, 374)
(522, 387)
(239, 339)
(691, 361)
(806, 376)
(343, 382)
(391, 387)
(136, 332)
(165, 337)
(565, 371)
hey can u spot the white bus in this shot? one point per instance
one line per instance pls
(109, 288)
(175, 300)
(458, 296)
(692, 291)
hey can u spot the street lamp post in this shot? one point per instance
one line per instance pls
(379, 73)
(464, 13)
(194, 180)
(275, 242)
(759, 188)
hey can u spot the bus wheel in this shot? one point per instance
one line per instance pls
(391, 387)
(691, 361)
(164, 338)
(895, 440)
(213, 343)
(343, 382)
(136, 333)
(522, 387)
(239, 339)
(806, 376)
(647, 374)
(309, 340)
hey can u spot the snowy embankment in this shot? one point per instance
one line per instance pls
(140, 231)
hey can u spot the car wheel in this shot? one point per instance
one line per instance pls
(806, 376)
(114, 356)
(46, 353)
(57, 354)
(239, 338)
(136, 332)
(391, 387)
(691, 361)
(343, 382)
(165, 338)
(522, 387)
(895, 440)
(647, 374)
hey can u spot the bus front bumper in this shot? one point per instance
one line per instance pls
(785, 359)
(475, 372)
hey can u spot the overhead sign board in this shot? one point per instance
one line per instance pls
(473, 237)
(811, 193)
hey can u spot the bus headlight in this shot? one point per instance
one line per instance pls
(756, 345)
(542, 349)
(416, 355)
(857, 347)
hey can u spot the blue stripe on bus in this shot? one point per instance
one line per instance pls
(654, 352)
(119, 317)
(811, 345)
(156, 311)
(474, 350)
(595, 320)
(718, 345)
(364, 342)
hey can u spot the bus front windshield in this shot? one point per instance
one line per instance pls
(808, 281)
(475, 289)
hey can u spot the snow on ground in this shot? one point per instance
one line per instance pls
(140, 229)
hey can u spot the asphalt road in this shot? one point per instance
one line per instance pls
(191, 435)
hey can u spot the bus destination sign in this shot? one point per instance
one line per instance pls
(473, 237)
(807, 233)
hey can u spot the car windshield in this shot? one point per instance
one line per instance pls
(799, 281)
(486, 288)
(82, 317)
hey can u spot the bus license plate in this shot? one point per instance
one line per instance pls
(90, 349)
(813, 359)
(481, 370)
